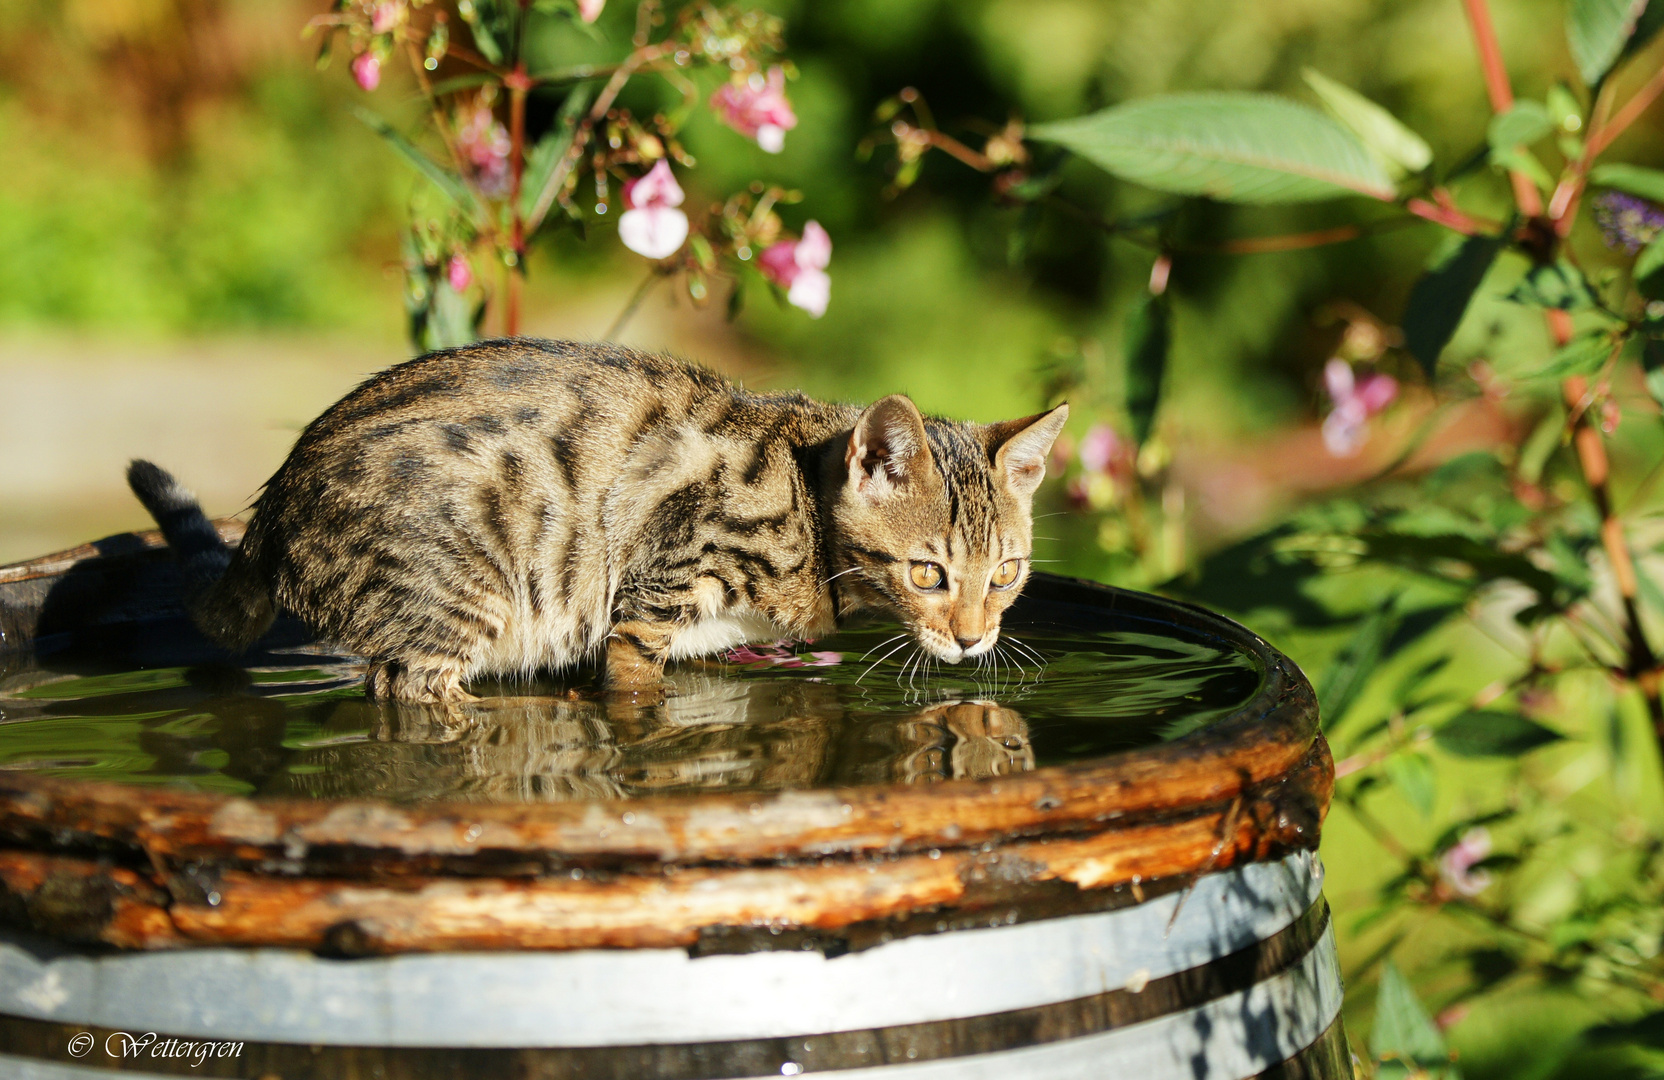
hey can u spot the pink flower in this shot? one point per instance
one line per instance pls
(484, 145)
(825, 659)
(1456, 865)
(1099, 448)
(799, 267)
(757, 108)
(1356, 400)
(366, 70)
(652, 226)
(460, 274)
(385, 16)
(590, 10)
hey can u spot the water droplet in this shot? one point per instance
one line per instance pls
(473, 833)
(213, 898)
(847, 810)
(912, 1052)
(629, 818)
(935, 853)
(577, 875)
(790, 1068)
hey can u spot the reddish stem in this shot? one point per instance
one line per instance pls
(1254, 245)
(1526, 195)
(1449, 217)
(1631, 112)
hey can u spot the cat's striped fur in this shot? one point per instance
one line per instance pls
(522, 504)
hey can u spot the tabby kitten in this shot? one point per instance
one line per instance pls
(517, 505)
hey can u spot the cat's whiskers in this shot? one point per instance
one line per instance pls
(883, 643)
(1017, 643)
(838, 575)
(883, 658)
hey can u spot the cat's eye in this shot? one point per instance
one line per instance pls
(1006, 573)
(927, 575)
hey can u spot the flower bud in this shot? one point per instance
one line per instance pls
(366, 70)
(459, 273)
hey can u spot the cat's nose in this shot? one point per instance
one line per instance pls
(967, 643)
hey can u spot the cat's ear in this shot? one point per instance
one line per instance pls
(1020, 447)
(888, 450)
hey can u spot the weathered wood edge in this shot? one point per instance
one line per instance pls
(84, 899)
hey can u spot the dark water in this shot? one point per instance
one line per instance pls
(786, 717)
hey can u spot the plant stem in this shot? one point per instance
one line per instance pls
(643, 56)
(518, 85)
(1526, 195)
(632, 307)
(1641, 663)
(1448, 216)
(1631, 112)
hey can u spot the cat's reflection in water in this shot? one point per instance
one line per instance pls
(705, 734)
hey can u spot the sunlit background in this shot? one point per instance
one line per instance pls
(200, 241)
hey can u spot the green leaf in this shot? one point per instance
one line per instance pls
(1236, 147)
(1413, 776)
(479, 16)
(1580, 356)
(1559, 284)
(1399, 148)
(1652, 362)
(443, 179)
(1489, 733)
(1439, 299)
(1521, 125)
(1145, 343)
(1597, 31)
(1520, 160)
(1354, 664)
(1403, 1030)
(1563, 108)
(547, 154)
(1650, 260)
(1647, 183)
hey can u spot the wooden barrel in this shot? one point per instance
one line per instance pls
(1156, 913)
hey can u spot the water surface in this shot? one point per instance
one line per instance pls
(861, 707)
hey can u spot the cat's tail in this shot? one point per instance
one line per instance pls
(223, 594)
